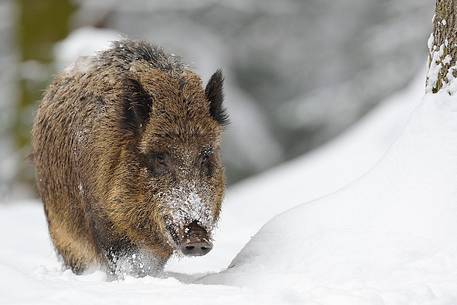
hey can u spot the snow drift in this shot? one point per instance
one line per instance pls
(388, 238)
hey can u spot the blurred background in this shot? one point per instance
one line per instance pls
(298, 73)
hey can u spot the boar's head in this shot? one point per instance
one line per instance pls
(170, 178)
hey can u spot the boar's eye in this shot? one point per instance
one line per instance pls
(206, 157)
(159, 163)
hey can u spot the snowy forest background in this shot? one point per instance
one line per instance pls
(341, 156)
(298, 73)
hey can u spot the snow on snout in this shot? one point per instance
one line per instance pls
(185, 205)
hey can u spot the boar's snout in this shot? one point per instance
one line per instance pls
(196, 241)
(196, 248)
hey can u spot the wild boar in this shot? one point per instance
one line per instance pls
(127, 151)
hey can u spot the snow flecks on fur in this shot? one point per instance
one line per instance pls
(185, 205)
(82, 65)
(81, 188)
(138, 262)
(127, 52)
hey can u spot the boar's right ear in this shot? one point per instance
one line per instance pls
(136, 106)
(215, 95)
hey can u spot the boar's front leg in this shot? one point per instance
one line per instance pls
(129, 260)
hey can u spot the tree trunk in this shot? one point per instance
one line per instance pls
(443, 47)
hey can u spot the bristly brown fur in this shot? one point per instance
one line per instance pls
(114, 136)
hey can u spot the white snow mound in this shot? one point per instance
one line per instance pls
(388, 238)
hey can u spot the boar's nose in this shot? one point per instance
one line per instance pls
(195, 241)
(196, 248)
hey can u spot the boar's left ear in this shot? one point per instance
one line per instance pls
(214, 94)
(136, 106)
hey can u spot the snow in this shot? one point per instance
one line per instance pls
(435, 67)
(83, 42)
(384, 239)
(436, 64)
(185, 205)
(380, 240)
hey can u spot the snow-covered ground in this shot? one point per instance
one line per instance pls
(384, 235)
(387, 238)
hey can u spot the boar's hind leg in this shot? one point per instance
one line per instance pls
(76, 253)
(72, 244)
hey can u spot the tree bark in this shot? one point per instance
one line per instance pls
(443, 47)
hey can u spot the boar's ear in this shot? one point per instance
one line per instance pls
(136, 106)
(215, 96)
